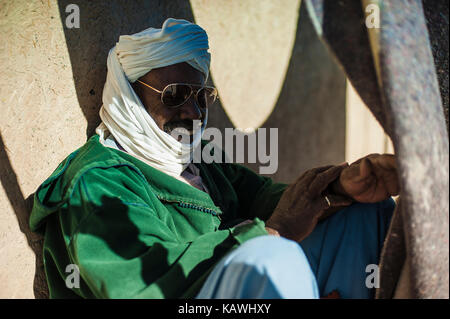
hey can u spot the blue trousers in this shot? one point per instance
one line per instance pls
(333, 257)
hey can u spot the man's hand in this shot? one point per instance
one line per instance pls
(369, 180)
(303, 203)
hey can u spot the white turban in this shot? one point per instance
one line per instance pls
(177, 41)
(123, 114)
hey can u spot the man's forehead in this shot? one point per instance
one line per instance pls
(176, 73)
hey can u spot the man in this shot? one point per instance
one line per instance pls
(140, 220)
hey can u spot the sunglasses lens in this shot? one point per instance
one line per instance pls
(206, 96)
(176, 94)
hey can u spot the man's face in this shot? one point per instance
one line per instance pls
(166, 118)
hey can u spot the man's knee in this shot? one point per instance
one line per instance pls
(271, 266)
(269, 251)
(367, 212)
(276, 258)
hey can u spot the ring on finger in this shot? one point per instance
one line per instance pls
(328, 201)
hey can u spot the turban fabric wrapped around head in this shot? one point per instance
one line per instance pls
(123, 114)
(177, 41)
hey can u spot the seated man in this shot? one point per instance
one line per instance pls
(140, 220)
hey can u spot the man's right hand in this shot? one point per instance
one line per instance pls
(302, 203)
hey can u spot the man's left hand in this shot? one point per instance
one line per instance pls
(371, 179)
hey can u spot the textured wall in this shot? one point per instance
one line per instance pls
(50, 92)
(41, 121)
(310, 111)
(251, 44)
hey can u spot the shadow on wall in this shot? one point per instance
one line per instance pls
(22, 208)
(310, 110)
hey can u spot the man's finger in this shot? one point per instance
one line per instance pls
(321, 204)
(385, 168)
(309, 175)
(391, 182)
(365, 169)
(393, 188)
(336, 200)
(322, 180)
(324, 202)
(384, 161)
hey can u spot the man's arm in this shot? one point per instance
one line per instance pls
(319, 191)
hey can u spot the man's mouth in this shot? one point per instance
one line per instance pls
(180, 130)
(182, 127)
(179, 126)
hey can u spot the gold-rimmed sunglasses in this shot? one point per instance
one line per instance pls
(176, 94)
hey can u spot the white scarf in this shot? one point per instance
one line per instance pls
(122, 112)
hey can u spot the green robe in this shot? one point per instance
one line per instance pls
(135, 232)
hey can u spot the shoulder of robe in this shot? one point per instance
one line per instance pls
(92, 159)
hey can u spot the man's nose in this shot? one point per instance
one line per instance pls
(190, 110)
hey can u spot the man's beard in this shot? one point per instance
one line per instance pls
(182, 130)
(186, 124)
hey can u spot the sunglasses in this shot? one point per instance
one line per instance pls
(176, 94)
